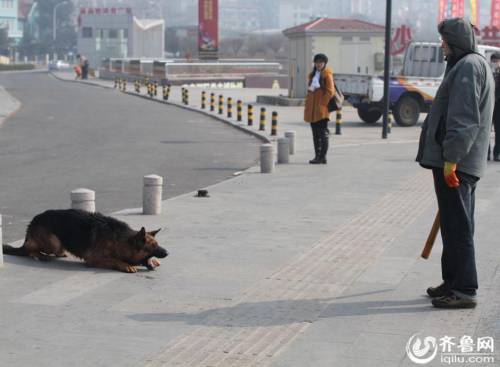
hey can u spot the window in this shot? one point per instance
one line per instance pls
(8, 4)
(113, 33)
(87, 32)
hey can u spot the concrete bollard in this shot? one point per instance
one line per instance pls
(203, 99)
(290, 135)
(83, 199)
(239, 111)
(229, 108)
(266, 158)
(152, 194)
(250, 115)
(262, 124)
(1, 239)
(338, 123)
(274, 124)
(283, 151)
(212, 102)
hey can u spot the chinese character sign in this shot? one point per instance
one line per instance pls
(474, 12)
(495, 13)
(451, 9)
(208, 31)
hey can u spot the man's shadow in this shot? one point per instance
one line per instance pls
(285, 312)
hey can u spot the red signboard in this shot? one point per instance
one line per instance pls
(451, 9)
(208, 28)
(400, 40)
(495, 13)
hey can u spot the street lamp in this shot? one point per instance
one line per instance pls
(54, 13)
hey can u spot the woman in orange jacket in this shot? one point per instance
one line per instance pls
(321, 90)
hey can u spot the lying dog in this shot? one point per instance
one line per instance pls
(101, 241)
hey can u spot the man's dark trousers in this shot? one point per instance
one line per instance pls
(456, 208)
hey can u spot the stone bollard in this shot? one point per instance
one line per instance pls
(152, 194)
(266, 158)
(83, 199)
(1, 250)
(290, 135)
(283, 151)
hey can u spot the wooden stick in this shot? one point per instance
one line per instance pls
(431, 238)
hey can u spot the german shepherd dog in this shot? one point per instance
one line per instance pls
(101, 241)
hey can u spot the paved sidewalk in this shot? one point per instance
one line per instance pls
(8, 105)
(309, 266)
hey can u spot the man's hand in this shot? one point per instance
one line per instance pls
(450, 175)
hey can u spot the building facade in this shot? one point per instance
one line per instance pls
(9, 19)
(105, 33)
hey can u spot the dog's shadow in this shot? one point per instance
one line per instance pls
(69, 263)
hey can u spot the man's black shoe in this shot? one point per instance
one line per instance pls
(439, 291)
(453, 301)
(496, 158)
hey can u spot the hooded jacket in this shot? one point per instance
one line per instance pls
(458, 126)
(316, 106)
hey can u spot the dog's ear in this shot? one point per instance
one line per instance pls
(140, 237)
(154, 233)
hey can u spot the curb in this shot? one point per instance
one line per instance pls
(17, 106)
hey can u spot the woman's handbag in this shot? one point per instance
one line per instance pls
(336, 101)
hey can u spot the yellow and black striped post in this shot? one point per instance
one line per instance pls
(338, 122)
(229, 107)
(203, 100)
(183, 96)
(155, 88)
(221, 104)
(150, 90)
(164, 92)
(186, 97)
(239, 110)
(250, 115)
(116, 83)
(262, 124)
(212, 102)
(124, 85)
(389, 122)
(274, 124)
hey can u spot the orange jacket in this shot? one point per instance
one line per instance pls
(316, 107)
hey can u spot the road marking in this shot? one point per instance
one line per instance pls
(278, 309)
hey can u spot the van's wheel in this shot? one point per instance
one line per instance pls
(407, 111)
(369, 114)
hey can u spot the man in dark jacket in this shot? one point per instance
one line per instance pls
(454, 144)
(495, 62)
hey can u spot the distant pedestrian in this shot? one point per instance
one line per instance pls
(321, 89)
(454, 144)
(85, 68)
(495, 63)
(78, 72)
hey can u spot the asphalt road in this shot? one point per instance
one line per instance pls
(67, 136)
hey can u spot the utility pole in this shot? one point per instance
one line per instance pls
(387, 66)
(54, 23)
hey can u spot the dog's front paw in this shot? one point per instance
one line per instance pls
(130, 269)
(153, 263)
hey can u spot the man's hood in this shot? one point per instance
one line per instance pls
(459, 35)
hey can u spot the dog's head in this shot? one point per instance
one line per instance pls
(146, 247)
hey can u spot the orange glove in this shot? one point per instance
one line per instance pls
(450, 175)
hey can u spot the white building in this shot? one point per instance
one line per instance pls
(115, 33)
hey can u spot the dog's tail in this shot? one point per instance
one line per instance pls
(15, 251)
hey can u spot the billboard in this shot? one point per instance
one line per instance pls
(208, 29)
(451, 9)
(495, 13)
